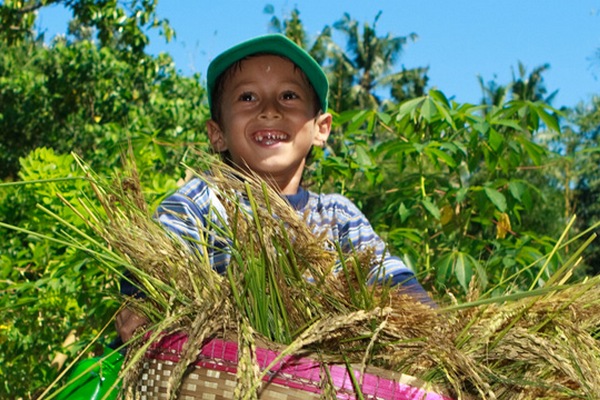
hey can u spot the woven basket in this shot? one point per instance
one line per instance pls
(294, 378)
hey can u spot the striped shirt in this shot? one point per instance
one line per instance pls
(187, 213)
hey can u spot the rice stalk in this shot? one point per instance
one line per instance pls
(318, 332)
(281, 287)
(248, 372)
(205, 324)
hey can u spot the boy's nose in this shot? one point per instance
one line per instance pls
(270, 110)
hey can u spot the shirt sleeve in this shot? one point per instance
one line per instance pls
(356, 232)
(180, 215)
(184, 212)
(192, 214)
(185, 215)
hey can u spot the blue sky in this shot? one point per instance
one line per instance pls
(458, 40)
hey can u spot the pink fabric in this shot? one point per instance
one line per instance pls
(294, 372)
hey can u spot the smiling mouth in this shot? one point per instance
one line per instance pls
(270, 138)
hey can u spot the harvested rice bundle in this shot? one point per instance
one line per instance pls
(281, 290)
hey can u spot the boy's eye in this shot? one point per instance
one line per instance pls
(246, 97)
(289, 95)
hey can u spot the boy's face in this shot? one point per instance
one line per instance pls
(268, 120)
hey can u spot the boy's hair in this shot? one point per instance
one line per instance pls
(275, 44)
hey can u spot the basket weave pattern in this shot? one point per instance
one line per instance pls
(293, 378)
(206, 384)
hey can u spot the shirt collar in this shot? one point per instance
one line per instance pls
(298, 200)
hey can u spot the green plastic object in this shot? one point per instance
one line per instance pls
(93, 378)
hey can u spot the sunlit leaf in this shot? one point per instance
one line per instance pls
(447, 159)
(409, 106)
(549, 120)
(431, 208)
(384, 117)
(517, 189)
(428, 110)
(495, 140)
(463, 270)
(496, 198)
(404, 212)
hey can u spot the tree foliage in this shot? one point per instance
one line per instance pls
(525, 86)
(583, 152)
(94, 96)
(368, 60)
(119, 25)
(48, 289)
(88, 99)
(447, 186)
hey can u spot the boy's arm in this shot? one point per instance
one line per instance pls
(393, 271)
(356, 232)
(408, 284)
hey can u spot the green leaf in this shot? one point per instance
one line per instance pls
(419, 147)
(362, 158)
(549, 120)
(463, 270)
(444, 269)
(160, 152)
(409, 107)
(440, 97)
(527, 201)
(481, 127)
(348, 116)
(431, 208)
(447, 159)
(404, 233)
(357, 120)
(443, 109)
(397, 147)
(404, 212)
(496, 198)
(384, 117)
(461, 194)
(590, 150)
(509, 123)
(517, 189)
(495, 140)
(428, 110)
(534, 151)
(481, 273)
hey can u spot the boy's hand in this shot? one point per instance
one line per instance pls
(127, 321)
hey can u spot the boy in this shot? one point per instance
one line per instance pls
(268, 103)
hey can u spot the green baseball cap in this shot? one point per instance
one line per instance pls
(270, 44)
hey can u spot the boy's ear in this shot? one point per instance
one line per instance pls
(215, 136)
(323, 129)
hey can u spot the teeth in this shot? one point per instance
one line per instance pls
(270, 138)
